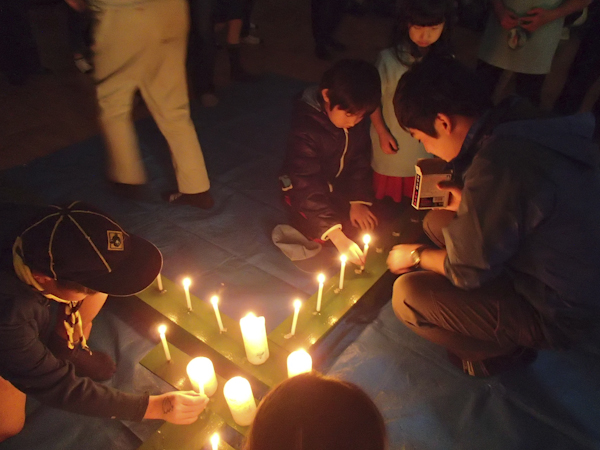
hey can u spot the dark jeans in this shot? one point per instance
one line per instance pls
(526, 85)
(202, 48)
(326, 15)
(482, 323)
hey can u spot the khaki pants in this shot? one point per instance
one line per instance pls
(143, 48)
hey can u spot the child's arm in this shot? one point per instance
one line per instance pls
(387, 142)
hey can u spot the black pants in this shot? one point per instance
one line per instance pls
(482, 323)
(326, 15)
(526, 85)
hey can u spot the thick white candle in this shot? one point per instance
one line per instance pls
(201, 373)
(159, 284)
(297, 305)
(343, 259)
(240, 400)
(321, 280)
(186, 287)
(161, 330)
(254, 333)
(366, 241)
(214, 440)
(298, 362)
(215, 302)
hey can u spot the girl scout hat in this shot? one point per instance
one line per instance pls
(82, 244)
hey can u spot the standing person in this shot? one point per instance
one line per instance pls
(518, 268)
(310, 411)
(521, 36)
(142, 46)
(326, 175)
(326, 15)
(73, 256)
(423, 29)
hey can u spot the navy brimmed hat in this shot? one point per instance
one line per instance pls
(80, 243)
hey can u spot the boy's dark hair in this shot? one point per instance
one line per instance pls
(354, 86)
(434, 86)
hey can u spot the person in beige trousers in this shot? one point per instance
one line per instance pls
(141, 45)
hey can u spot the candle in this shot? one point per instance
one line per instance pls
(321, 280)
(201, 373)
(215, 302)
(299, 362)
(254, 334)
(161, 330)
(239, 398)
(159, 284)
(366, 240)
(186, 287)
(214, 440)
(297, 305)
(343, 259)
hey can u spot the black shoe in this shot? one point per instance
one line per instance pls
(92, 364)
(496, 365)
(323, 53)
(336, 46)
(202, 200)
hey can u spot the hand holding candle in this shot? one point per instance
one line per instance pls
(162, 330)
(321, 280)
(201, 373)
(254, 334)
(186, 287)
(215, 302)
(240, 400)
(299, 362)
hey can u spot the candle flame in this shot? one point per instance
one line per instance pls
(187, 282)
(366, 239)
(343, 258)
(214, 440)
(162, 329)
(214, 300)
(297, 303)
(321, 278)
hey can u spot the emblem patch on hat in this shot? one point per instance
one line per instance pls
(115, 240)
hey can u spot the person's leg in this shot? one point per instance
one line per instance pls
(474, 325)
(489, 75)
(164, 89)
(203, 50)
(319, 16)
(12, 410)
(434, 223)
(529, 86)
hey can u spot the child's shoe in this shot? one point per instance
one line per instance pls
(202, 200)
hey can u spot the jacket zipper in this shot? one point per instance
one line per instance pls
(343, 154)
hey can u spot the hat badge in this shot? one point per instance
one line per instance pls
(115, 240)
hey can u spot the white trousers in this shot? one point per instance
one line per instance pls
(143, 48)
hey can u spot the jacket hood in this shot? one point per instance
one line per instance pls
(310, 96)
(570, 136)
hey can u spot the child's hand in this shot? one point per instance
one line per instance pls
(178, 407)
(347, 247)
(536, 18)
(362, 217)
(387, 142)
(506, 17)
(455, 194)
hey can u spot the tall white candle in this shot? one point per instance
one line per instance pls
(201, 373)
(159, 284)
(343, 259)
(297, 305)
(215, 302)
(162, 330)
(240, 400)
(321, 280)
(366, 241)
(186, 287)
(298, 362)
(214, 440)
(254, 333)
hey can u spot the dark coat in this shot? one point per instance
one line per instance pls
(529, 210)
(328, 167)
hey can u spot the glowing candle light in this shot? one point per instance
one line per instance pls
(214, 440)
(298, 362)
(186, 287)
(161, 330)
(240, 400)
(215, 302)
(201, 373)
(321, 280)
(159, 284)
(343, 259)
(254, 334)
(366, 240)
(297, 305)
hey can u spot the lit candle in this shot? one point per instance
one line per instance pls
(214, 440)
(161, 330)
(298, 362)
(343, 259)
(297, 305)
(366, 240)
(201, 373)
(240, 400)
(186, 287)
(254, 334)
(215, 302)
(159, 284)
(321, 280)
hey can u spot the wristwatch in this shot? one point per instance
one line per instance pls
(416, 256)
